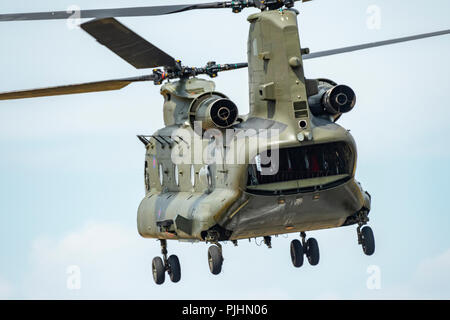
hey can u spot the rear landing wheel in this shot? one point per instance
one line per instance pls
(174, 268)
(297, 253)
(215, 259)
(312, 251)
(367, 240)
(158, 270)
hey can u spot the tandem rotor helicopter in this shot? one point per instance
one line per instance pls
(297, 168)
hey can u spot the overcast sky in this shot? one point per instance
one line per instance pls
(71, 168)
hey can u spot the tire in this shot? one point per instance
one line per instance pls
(312, 251)
(297, 253)
(368, 240)
(158, 270)
(174, 268)
(215, 259)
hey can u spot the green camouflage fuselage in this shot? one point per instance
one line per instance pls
(181, 202)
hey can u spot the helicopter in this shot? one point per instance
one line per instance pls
(213, 175)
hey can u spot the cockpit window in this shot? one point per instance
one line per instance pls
(323, 160)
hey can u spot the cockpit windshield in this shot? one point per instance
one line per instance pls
(298, 163)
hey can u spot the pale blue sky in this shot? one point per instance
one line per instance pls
(71, 168)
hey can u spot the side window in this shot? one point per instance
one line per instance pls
(192, 175)
(146, 177)
(176, 174)
(208, 176)
(205, 176)
(161, 174)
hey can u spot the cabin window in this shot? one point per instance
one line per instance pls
(146, 177)
(205, 175)
(192, 175)
(323, 160)
(255, 47)
(176, 174)
(161, 174)
(209, 176)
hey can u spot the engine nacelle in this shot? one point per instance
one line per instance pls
(214, 110)
(339, 99)
(332, 99)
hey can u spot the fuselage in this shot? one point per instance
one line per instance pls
(277, 170)
(312, 186)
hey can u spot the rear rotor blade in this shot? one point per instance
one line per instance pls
(117, 12)
(128, 45)
(373, 44)
(73, 89)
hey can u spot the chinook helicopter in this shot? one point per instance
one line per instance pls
(213, 175)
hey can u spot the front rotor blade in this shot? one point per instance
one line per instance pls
(373, 44)
(73, 89)
(106, 13)
(128, 45)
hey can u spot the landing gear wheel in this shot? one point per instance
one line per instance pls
(174, 268)
(367, 240)
(215, 259)
(312, 251)
(158, 270)
(297, 253)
